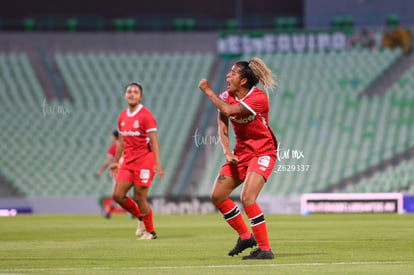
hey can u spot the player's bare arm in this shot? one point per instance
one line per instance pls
(224, 107)
(223, 133)
(106, 163)
(156, 149)
(118, 154)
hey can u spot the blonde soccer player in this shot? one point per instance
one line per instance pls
(254, 155)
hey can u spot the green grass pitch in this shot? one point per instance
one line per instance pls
(198, 244)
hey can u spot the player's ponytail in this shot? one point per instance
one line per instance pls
(263, 74)
(256, 71)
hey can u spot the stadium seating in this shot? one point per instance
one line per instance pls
(398, 106)
(61, 144)
(396, 179)
(58, 145)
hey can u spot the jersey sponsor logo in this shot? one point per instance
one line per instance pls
(136, 124)
(130, 133)
(264, 161)
(242, 120)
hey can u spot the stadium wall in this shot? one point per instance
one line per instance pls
(102, 42)
(319, 13)
(160, 205)
(107, 8)
(270, 204)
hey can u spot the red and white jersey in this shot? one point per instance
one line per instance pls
(112, 150)
(253, 133)
(134, 128)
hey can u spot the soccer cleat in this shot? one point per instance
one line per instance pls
(140, 228)
(148, 236)
(259, 254)
(105, 215)
(242, 245)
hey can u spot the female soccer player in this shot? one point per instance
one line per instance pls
(107, 211)
(254, 155)
(141, 158)
(110, 153)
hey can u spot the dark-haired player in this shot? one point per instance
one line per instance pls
(139, 147)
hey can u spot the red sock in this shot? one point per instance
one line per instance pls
(108, 209)
(111, 207)
(233, 217)
(147, 219)
(131, 207)
(258, 224)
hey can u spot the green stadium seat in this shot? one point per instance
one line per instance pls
(72, 24)
(80, 139)
(316, 110)
(29, 24)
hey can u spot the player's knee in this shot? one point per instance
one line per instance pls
(118, 197)
(139, 197)
(216, 198)
(115, 197)
(247, 200)
(140, 201)
(136, 197)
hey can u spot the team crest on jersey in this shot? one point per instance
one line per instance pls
(122, 123)
(224, 95)
(136, 124)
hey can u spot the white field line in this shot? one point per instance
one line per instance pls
(141, 268)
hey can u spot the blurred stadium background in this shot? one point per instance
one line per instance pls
(343, 114)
